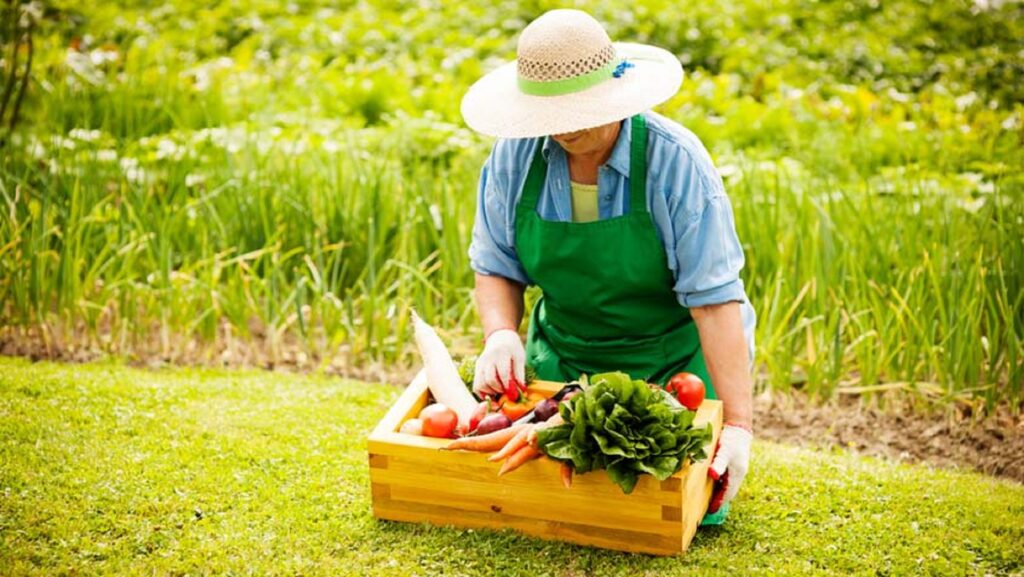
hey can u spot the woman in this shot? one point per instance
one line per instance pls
(620, 218)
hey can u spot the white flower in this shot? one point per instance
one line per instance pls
(132, 171)
(965, 101)
(898, 96)
(101, 56)
(85, 135)
(193, 179)
(167, 148)
(61, 142)
(106, 155)
(136, 175)
(36, 149)
(972, 206)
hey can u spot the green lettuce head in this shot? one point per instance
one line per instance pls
(625, 427)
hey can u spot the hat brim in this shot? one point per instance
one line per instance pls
(495, 106)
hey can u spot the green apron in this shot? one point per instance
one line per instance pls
(608, 302)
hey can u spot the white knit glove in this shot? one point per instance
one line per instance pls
(733, 456)
(503, 360)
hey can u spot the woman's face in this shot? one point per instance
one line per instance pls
(589, 141)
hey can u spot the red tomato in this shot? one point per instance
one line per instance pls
(688, 389)
(439, 421)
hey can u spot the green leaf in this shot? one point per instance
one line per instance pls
(627, 428)
(623, 475)
(662, 467)
(607, 447)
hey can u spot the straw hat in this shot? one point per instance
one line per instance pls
(568, 75)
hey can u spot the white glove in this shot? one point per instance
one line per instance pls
(503, 360)
(733, 456)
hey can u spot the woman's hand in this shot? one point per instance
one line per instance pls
(731, 459)
(728, 361)
(502, 364)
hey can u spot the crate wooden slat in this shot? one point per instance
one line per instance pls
(413, 480)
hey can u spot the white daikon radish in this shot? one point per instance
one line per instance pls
(443, 376)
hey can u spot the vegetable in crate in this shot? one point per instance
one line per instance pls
(438, 421)
(412, 427)
(688, 389)
(467, 370)
(545, 410)
(493, 422)
(514, 409)
(626, 428)
(443, 377)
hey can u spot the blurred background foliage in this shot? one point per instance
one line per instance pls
(282, 181)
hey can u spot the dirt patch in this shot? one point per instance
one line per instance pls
(952, 438)
(993, 445)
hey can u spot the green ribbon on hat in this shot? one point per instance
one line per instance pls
(568, 85)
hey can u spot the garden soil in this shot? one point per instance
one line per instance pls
(960, 438)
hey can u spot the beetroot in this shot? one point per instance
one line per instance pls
(545, 410)
(493, 422)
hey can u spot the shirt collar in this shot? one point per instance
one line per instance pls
(619, 159)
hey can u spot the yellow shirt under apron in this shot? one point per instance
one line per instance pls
(584, 202)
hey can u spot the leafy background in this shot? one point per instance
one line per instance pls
(216, 182)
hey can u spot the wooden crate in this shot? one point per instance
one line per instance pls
(411, 480)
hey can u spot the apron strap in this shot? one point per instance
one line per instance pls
(534, 179)
(638, 165)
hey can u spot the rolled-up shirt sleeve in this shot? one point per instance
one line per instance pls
(708, 253)
(492, 250)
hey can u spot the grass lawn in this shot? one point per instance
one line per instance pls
(106, 469)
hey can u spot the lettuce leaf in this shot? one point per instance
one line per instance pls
(626, 427)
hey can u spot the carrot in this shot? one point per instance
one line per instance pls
(485, 443)
(524, 454)
(531, 438)
(517, 442)
(566, 472)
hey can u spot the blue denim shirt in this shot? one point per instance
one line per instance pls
(685, 196)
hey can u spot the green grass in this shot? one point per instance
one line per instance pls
(297, 176)
(111, 470)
